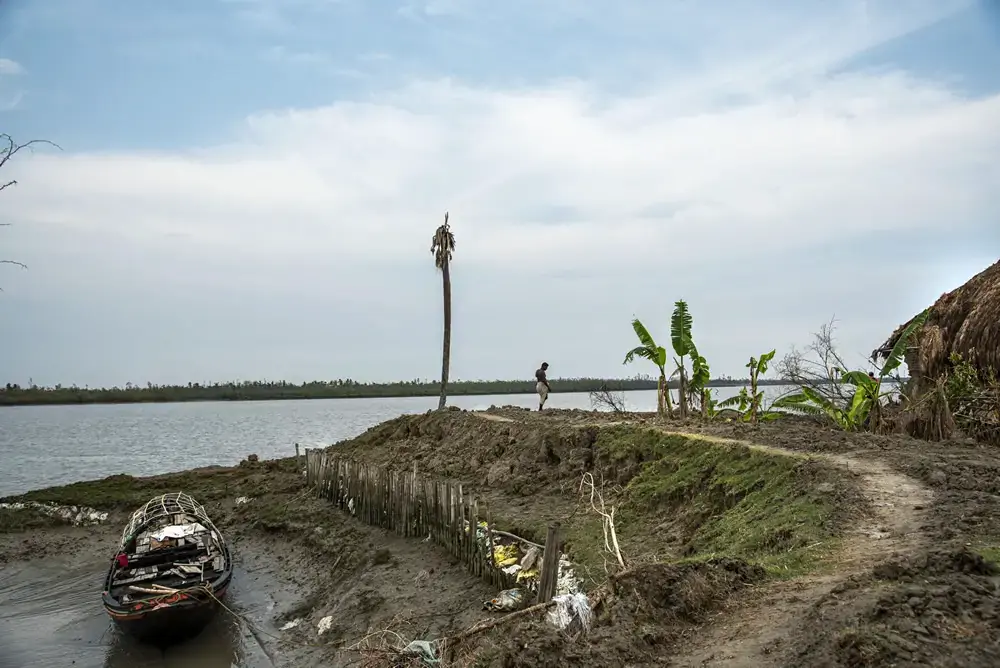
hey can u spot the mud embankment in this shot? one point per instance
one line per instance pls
(712, 529)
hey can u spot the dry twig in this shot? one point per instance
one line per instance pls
(607, 515)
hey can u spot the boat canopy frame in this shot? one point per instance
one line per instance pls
(161, 508)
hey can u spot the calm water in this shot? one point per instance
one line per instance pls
(52, 617)
(52, 445)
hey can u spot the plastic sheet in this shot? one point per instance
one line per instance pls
(570, 608)
(425, 649)
(508, 600)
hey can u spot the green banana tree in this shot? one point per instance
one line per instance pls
(864, 410)
(649, 350)
(750, 403)
(683, 344)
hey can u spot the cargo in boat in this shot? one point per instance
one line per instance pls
(170, 573)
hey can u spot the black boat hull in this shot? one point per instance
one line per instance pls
(169, 624)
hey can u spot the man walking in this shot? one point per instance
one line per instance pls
(542, 386)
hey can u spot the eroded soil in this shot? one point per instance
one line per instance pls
(895, 577)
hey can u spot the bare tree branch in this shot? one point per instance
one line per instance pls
(11, 148)
(8, 149)
(607, 399)
(819, 367)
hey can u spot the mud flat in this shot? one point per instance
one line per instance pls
(789, 545)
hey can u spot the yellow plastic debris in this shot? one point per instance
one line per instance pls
(503, 553)
(525, 576)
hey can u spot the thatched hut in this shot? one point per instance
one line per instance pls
(965, 320)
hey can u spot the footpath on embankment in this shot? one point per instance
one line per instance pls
(790, 544)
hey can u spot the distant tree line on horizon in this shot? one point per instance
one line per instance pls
(15, 395)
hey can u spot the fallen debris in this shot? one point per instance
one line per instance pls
(75, 515)
(325, 624)
(571, 608)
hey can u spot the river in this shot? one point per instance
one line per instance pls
(41, 446)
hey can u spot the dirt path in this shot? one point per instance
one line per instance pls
(750, 635)
(753, 630)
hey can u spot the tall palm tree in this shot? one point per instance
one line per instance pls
(442, 246)
(658, 356)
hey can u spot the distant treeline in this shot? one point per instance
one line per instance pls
(15, 395)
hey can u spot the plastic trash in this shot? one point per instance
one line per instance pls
(569, 608)
(425, 649)
(567, 581)
(508, 600)
(504, 553)
(528, 576)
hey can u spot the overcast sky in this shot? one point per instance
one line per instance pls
(248, 188)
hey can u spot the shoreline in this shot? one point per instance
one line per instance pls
(741, 533)
(177, 394)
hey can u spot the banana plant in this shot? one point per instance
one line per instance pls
(657, 354)
(700, 375)
(683, 345)
(750, 402)
(864, 410)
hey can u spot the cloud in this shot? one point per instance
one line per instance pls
(9, 99)
(769, 196)
(10, 67)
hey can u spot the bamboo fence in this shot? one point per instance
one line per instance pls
(413, 506)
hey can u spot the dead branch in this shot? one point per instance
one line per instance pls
(486, 626)
(11, 148)
(819, 367)
(8, 149)
(607, 516)
(607, 399)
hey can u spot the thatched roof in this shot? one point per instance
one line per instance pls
(965, 320)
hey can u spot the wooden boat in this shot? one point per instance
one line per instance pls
(170, 573)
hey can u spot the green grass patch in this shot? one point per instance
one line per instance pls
(124, 492)
(989, 552)
(687, 497)
(16, 520)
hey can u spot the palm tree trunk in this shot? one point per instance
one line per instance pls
(446, 348)
(659, 396)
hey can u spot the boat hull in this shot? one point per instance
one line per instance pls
(168, 624)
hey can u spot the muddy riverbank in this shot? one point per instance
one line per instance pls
(783, 546)
(298, 562)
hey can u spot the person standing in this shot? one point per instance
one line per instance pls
(542, 384)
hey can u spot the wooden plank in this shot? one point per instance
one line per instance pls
(550, 565)
(492, 552)
(477, 562)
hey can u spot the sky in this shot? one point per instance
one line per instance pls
(247, 189)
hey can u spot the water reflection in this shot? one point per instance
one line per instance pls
(51, 615)
(220, 645)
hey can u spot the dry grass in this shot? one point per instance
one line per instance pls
(965, 320)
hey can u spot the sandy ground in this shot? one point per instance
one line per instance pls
(905, 587)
